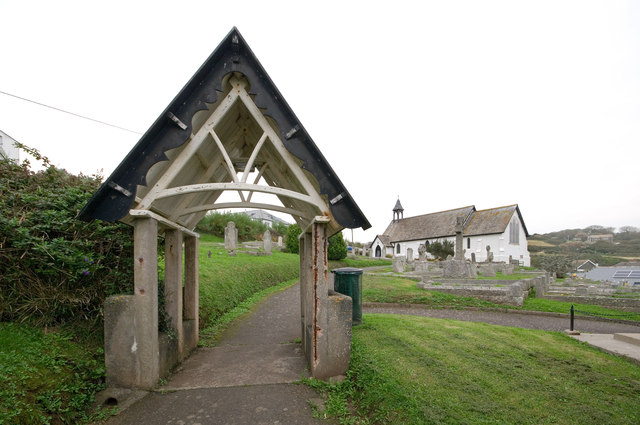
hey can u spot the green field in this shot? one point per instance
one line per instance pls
(418, 370)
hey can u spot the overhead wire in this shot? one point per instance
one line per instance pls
(70, 113)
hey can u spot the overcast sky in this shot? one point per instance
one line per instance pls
(443, 104)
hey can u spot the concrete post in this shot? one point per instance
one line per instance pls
(191, 292)
(145, 272)
(173, 284)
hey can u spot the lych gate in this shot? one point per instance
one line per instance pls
(228, 131)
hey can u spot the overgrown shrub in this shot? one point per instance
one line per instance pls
(248, 229)
(291, 241)
(337, 249)
(441, 250)
(558, 264)
(54, 267)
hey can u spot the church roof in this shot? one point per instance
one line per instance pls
(443, 224)
(491, 221)
(398, 206)
(427, 226)
(229, 114)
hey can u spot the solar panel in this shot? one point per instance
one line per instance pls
(621, 274)
(635, 274)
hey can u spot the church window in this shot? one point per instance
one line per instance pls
(468, 243)
(514, 233)
(398, 249)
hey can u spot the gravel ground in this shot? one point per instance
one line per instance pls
(520, 320)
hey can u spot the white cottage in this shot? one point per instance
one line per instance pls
(502, 229)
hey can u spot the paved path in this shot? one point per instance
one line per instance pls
(246, 379)
(513, 318)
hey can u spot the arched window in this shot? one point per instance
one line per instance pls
(426, 243)
(468, 243)
(398, 249)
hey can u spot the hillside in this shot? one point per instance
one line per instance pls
(579, 244)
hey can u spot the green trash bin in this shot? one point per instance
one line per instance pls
(348, 281)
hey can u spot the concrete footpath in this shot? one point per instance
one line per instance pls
(248, 378)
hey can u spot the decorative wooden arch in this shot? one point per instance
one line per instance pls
(229, 130)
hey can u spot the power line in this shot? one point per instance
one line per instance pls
(70, 113)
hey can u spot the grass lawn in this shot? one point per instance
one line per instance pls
(418, 370)
(394, 289)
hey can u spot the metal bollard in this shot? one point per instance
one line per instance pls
(571, 323)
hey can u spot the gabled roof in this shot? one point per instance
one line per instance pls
(443, 224)
(228, 115)
(386, 241)
(492, 221)
(428, 226)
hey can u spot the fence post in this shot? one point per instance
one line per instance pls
(571, 324)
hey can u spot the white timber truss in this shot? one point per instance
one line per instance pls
(230, 141)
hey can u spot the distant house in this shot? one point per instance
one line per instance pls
(585, 266)
(502, 229)
(268, 219)
(600, 238)
(8, 149)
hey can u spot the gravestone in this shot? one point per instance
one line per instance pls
(409, 255)
(399, 264)
(279, 241)
(487, 270)
(231, 238)
(489, 255)
(422, 252)
(458, 269)
(267, 242)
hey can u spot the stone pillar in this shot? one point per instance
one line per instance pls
(325, 343)
(459, 228)
(231, 238)
(191, 293)
(145, 276)
(173, 284)
(267, 242)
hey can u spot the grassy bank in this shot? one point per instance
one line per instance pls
(227, 281)
(394, 289)
(417, 370)
(47, 377)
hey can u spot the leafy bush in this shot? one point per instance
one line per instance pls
(441, 250)
(248, 228)
(54, 267)
(292, 243)
(558, 264)
(337, 249)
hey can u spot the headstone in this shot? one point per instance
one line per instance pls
(581, 290)
(266, 241)
(209, 254)
(487, 270)
(458, 247)
(422, 252)
(279, 241)
(399, 264)
(231, 238)
(458, 269)
(409, 255)
(489, 255)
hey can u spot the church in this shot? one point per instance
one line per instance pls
(502, 229)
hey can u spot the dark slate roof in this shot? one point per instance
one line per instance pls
(116, 196)
(398, 206)
(443, 224)
(428, 226)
